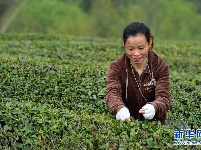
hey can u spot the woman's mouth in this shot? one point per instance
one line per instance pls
(136, 59)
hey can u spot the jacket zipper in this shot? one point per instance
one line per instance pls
(139, 95)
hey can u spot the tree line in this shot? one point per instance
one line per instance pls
(170, 19)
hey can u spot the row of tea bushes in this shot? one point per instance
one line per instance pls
(181, 56)
(49, 102)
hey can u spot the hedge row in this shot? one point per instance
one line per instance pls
(51, 102)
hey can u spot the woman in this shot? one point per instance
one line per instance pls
(138, 82)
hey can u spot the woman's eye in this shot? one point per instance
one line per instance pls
(130, 49)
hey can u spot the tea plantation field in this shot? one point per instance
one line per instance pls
(52, 94)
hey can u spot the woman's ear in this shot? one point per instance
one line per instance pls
(151, 43)
(123, 43)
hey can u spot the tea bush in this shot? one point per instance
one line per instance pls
(52, 94)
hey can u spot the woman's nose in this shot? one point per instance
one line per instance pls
(136, 53)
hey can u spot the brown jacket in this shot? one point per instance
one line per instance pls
(122, 89)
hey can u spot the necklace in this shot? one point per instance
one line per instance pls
(152, 82)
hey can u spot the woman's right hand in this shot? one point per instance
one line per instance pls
(128, 119)
(123, 114)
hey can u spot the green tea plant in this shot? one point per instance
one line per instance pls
(52, 94)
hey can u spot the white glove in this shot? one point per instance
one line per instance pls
(123, 114)
(149, 111)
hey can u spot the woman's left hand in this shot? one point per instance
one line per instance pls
(148, 111)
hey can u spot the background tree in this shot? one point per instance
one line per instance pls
(171, 19)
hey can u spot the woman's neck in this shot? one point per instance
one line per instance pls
(139, 67)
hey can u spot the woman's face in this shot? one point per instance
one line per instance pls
(137, 48)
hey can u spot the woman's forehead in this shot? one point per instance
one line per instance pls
(138, 39)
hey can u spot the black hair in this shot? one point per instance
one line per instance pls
(137, 28)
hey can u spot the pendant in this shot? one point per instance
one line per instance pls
(153, 82)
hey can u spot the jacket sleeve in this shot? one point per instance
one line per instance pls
(114, 90)
(162, 96)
